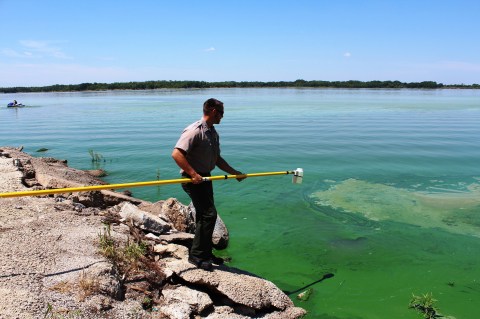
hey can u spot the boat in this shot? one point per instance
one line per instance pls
(11, 104)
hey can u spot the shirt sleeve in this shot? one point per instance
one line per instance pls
(186, 140)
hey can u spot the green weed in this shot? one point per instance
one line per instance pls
(425, 305)
(96, 157)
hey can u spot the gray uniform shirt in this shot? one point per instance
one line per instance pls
(201, 145)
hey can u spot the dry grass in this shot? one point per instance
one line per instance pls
(87, 285)
(133, 259)
(63, 287)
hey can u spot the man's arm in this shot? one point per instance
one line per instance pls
(224, 166)
(181, 160)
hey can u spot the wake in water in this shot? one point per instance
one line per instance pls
(456, 212)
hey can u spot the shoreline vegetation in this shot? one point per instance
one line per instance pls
(151, 85)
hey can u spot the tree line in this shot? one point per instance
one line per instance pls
(151, 85)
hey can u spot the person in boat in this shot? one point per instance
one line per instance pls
(197, 152)
(15, 103)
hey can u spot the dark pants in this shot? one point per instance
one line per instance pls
(206, 216)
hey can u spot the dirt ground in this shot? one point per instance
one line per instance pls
(45, 247)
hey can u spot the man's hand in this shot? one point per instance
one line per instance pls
(196, 178)
(180, 158)
(241, 178)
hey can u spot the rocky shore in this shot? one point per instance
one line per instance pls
(105, 254)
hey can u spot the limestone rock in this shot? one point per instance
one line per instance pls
(225, 312)
(52, 173)
(178, 237)
(96, 172)
(290, 313)
(241, 288)
(198, 301)
(183, 217)
(177, 213)
(176, 251)
(178, 310)
(107, 281)
(144, 219)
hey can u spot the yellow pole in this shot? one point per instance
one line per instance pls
(129, 185)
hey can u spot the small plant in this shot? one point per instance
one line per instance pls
(147, 303)
(133, 252)
(88, 285)
(51, 313)
(132, 259)
(107, 244)
(48, 311)
(125, 258)
(424, 305)
(96, 157)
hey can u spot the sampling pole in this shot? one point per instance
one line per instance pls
(297, 179)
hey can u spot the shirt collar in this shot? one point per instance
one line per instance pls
(205, 125)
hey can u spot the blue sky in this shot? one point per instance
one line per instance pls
(68, 42)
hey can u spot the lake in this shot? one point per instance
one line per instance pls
(390, 200)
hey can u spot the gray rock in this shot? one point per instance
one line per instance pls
(175, 212)
(197, 300)
(176, 251)
(145, 220)
(290, 313)
(241, 288)
(183, 217)
(177, 237)
(225, 312)
(179, 215)
(178, 310)
(108, 283)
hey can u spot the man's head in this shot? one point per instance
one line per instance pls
(213, 111)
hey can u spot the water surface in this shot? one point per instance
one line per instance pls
(390, 199)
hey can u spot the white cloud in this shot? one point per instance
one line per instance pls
(34, 48)
(211, 49)
(16, 54)
(347, 54)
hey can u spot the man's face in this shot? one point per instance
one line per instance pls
(218, 115)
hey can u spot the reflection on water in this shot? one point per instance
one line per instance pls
(454, 211)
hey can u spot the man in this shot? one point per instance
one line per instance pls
(197, 152)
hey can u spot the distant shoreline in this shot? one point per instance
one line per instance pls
(152, 85)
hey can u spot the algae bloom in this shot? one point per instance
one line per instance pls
(454, 211)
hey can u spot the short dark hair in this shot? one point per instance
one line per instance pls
(211, 104)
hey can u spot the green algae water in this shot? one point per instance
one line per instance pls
(390, 201)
